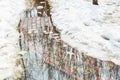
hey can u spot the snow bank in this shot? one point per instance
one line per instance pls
(91, 29)
(9, 17)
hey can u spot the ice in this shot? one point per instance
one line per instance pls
(90, 28)
(9, 17)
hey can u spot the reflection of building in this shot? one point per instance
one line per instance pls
(61, 55)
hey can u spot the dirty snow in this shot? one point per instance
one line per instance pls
(89, 28)
(9, 17)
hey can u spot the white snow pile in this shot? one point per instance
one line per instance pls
(92, 29)
(9, 17)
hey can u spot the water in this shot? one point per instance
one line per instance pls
(69, 64)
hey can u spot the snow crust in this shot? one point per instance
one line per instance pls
(92, 29)
(9, 18)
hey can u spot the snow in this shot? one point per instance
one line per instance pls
(89, 28)
(9, 17)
